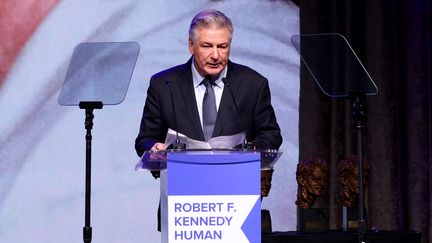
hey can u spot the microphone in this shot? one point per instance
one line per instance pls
(177, 144)
(246, 144)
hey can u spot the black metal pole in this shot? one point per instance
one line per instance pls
(362, 221)
(359, 114)
(87, 230)
(88, 106)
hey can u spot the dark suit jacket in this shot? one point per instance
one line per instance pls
(251, 92)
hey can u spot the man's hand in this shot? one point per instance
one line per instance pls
(156, 155)
(158, 146)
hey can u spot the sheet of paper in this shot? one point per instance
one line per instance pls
(221, 142)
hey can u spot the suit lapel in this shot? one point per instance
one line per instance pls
(227, 111)
(188, 97)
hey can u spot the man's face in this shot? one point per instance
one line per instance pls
(211, 49)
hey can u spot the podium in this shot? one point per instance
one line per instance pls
(210, 195)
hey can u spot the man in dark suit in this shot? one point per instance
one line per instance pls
(241, 96)
(178, 98)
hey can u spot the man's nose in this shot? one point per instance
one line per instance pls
(215, 53)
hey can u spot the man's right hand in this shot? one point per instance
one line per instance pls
(158, 146)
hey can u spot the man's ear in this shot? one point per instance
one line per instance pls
(191, 46)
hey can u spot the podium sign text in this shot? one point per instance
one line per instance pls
(214, 197)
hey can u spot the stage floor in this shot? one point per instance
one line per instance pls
(342, 237)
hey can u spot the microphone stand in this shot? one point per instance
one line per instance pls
(88, 106)
(246, 145)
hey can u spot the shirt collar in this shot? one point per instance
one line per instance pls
(197, 78)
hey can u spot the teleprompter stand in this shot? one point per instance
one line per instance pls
(339, 73)
(99, 73)
(89, 107)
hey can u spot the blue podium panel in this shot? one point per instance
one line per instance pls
(214, 197)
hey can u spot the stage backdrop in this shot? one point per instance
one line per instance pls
(42, 145)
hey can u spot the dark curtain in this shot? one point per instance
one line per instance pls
(393, 41)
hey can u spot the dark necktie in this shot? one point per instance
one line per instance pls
(209, 110)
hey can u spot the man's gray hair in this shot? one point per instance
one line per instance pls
(210, 18)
